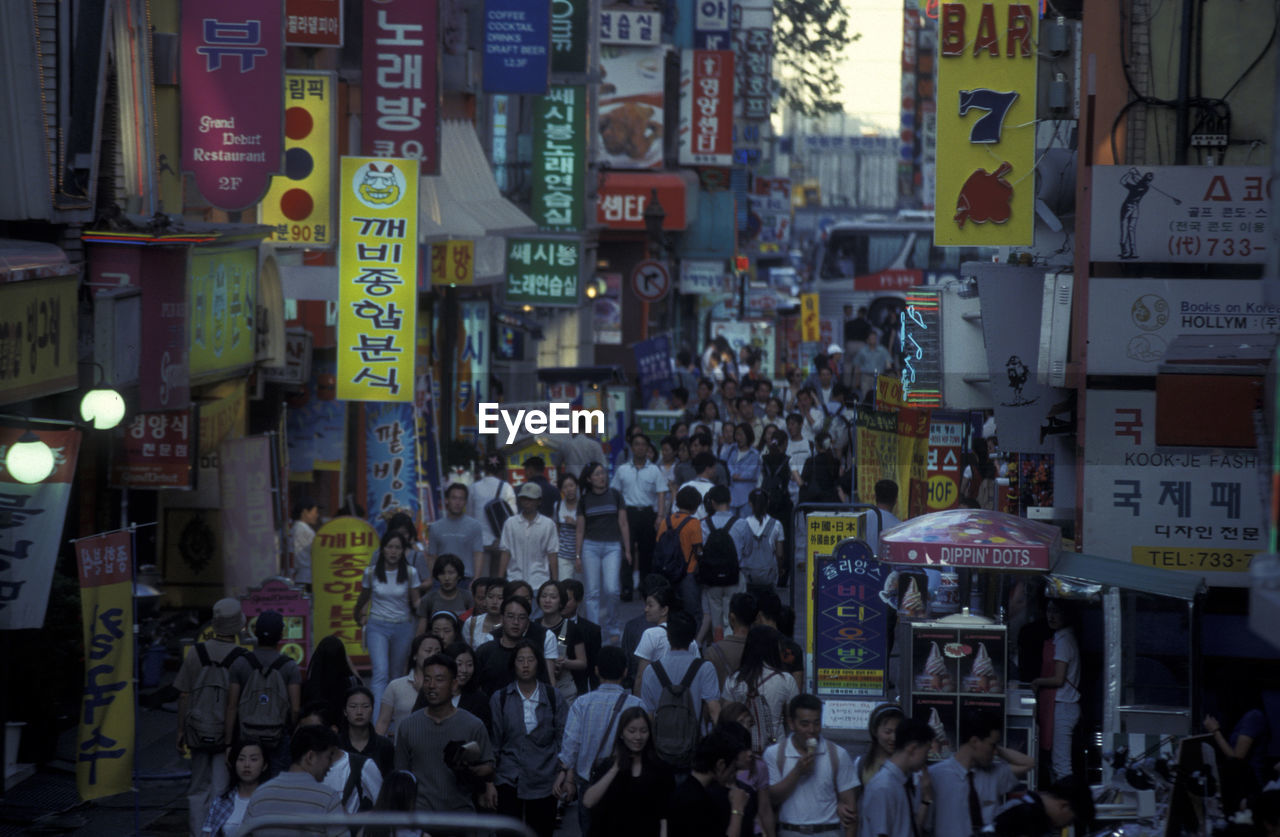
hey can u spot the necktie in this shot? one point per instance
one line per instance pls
(975, 807)
(911, 806)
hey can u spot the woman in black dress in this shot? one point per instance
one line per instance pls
(629, 792)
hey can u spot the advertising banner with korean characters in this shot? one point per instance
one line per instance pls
(700, 277)
(630, 121)
(653, 366)
(391, 462)
(706, 107)
(560, 158)
(894, 446)
(377, 278)
(986, 188)
(232, 67)
(569, 36)
(1133, 321)
(32, 528)
(222, 292)
(105, 740)
(753, 50)
(848, 623)
(299, 204)
(1206, 214)
(517, 40)
(37, 337)
(543, 271)
(622, 26)
(1195, 510)
(251, 545)
(946, 447)
(340, 553)
(471, 372)
(313, 23)
(453, 262)
(711, 24)
(400, 110)
(154, 450)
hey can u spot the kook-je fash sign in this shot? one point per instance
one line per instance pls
(985, 189)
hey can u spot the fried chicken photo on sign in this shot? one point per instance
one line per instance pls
(627, 129)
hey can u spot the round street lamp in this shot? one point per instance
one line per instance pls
(103, 407)
(29, 459)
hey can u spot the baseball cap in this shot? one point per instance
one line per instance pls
(531, 490)
(834, 349)
(269, 627)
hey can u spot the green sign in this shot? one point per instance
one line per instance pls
(657, 424)
(559, 158)
(543, 271)
(569, 36)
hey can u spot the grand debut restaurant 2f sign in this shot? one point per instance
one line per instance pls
(985, 188)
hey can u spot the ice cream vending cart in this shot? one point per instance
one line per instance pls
(956, 664)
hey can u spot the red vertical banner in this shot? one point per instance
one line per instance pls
(106, 740)
(706, 107)
(401, 109)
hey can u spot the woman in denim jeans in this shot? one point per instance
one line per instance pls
(603, 541)
(390, 589)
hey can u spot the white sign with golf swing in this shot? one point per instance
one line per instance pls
(1203, 214)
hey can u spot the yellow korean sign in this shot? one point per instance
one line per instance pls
(810, 325)
(453, 263)
(985, 186)
(37, 337)
(377, 278)
(339, 555)
(222, 292)
(299, 204)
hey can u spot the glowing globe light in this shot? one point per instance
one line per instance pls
(29, 460)
(103, 407)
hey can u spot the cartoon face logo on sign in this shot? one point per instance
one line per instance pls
(985, 197)
(378, 187)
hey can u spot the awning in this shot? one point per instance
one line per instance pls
(20, 260)
(972, 538)
(1113, 572)
(464, 201)
(623, 196)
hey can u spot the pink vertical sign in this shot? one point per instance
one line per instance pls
(232, 98)
(401, 110)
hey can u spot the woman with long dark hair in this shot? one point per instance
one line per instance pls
(329, 675)
(628, 793)
(761, 537)
(763, 686)
(390, 590)
(528, 725)
(249, 769)
(603, 542)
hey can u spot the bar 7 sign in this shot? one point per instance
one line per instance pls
(985, 191)
(401, 108)
(377, 273)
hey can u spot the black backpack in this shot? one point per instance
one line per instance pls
(675, 720)
(668, 557)
(718, 563)
(496, 512)
(776, 481)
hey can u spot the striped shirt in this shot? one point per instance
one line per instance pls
(420, 745)
(294, 794)
(601, 513)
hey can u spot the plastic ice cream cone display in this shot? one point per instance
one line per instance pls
(941, 746)
(936, 677)
(983, 677)
(912, 604)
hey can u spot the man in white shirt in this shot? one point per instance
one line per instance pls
(798, 451)
(530, 542)
(306, 515)
(644, 491)
(705, 464)
(971, 785)
(811, 780)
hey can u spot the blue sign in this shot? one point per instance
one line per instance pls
(849, 623)
(391, 475)
(653, 360)
(517, 46)
(711, 24)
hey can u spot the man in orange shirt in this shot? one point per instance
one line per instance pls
(688, 499)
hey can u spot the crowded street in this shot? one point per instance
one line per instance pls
(651, 418)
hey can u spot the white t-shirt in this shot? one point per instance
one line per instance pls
(390, 598)
(653, 644)
(240, 805)
(1066, 650)
(370, 779)
(814, 800)
(301, 537)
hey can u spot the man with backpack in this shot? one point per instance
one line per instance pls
(761, 544)
(704, 464)
(265, 693)
(679, 690)
(719, 574)
(202, 683)
(491, 501)
(675, 556)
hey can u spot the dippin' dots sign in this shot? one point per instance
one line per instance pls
(559, 419)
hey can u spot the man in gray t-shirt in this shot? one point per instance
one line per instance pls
(423, 739)
(455, 533)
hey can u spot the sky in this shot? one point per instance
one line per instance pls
(872, 71)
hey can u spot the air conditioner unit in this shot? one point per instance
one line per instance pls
(1055, 329)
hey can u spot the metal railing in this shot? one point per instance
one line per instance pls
(427, 821)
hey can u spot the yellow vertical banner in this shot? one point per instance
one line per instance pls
(985, 186)
(342, 549)
(377, 278)
(105, 742)
(810, 325)
(298, 205)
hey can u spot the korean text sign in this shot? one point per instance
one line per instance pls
(543, 271)
(849, 624)
(313, 23)
(105, 742)
(985, 188)
(560, 158)
(401, 108)
(517, 40)
(222, 292)
(377, 270)
(299, 204)
(342, 549)
(453, 262)
(706, 107)
(472, 370)
(154, 450)
(569, 20)
(232, 68)
(391, 481)
(37, 337)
